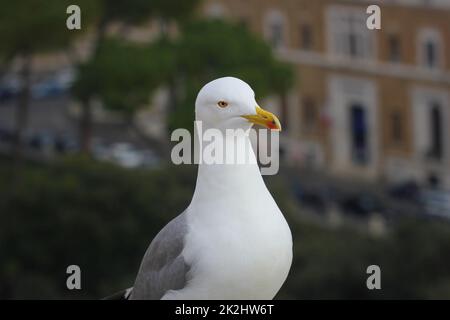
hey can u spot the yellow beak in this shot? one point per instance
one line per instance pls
(264, 118)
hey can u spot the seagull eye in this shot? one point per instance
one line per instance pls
(222, 104)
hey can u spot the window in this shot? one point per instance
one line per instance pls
(396, 127)
(306, 38)
(394, 51)
(430, 48)
(435, 133)
(275, 29)
(276, 35)
(430, 54)
(309, 114)
(348, 35)
(359, 135)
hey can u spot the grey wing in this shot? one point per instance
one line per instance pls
(163, 267)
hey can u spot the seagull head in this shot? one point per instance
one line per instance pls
(229, 103)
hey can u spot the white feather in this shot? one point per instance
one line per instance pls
(238, 245)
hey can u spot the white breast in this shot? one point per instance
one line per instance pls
(238, 244)
(244, 252)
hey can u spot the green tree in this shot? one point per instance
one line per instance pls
(31, 27)
(102, 218)
(77, 211)
(126, 12)
(209, 49)
(124, 75)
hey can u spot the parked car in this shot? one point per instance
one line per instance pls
(6, 136)
(437, 202)
(314, 199)
(6, 94)
(50, 142)
(125, 155)
(9, 88)
(54, 85)
(42, 141)
(361, 204)
(408, 190)
(66, 144)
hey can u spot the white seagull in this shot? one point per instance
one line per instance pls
(232, 241)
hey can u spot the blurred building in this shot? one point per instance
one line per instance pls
(367, 103)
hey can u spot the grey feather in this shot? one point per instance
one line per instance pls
(163, 267)
(121, 295)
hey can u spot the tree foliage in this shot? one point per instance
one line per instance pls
(331, 264)
(210, 49)
(97, 216)
(137, 11)
(124, 75)
(31, 26)
(28, 28)
(143, 76)
(102, 218)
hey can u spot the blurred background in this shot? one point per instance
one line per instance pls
(86, 117)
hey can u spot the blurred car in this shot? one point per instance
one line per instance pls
(408, 190)
(9, 88)
(437, 202)
(42, 142)
(6, 94)
(54, 85)
(361, 204)
(316, 200)
(50, 142)
(6, 136)
(65, 77)
(125, 155)
(46, 89)
(66, 144)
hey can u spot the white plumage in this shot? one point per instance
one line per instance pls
(236, 243)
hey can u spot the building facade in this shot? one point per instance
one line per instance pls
(367, 103)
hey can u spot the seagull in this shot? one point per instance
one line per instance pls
(232, 241)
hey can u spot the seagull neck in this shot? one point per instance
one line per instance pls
(216, 181)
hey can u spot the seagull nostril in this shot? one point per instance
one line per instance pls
(273, 121)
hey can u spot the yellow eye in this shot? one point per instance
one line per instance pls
(222, 104)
